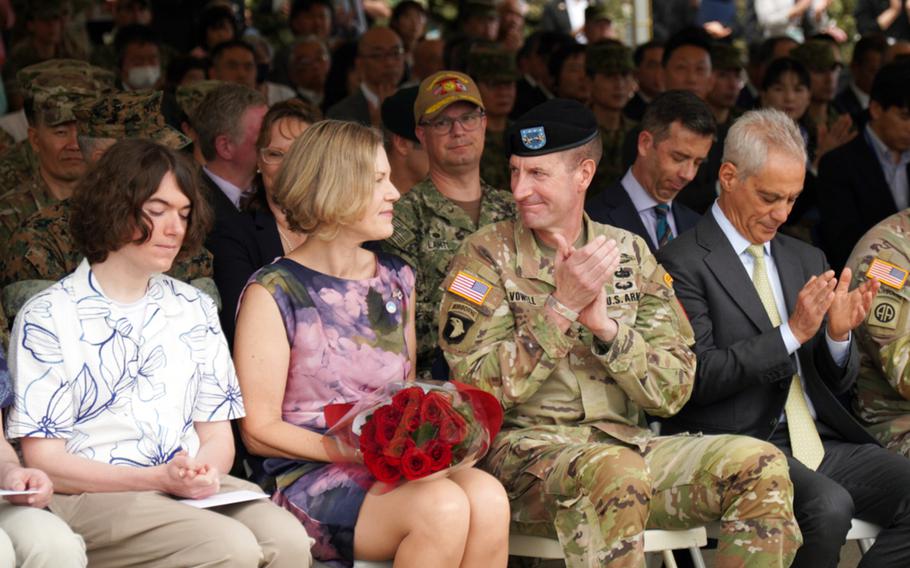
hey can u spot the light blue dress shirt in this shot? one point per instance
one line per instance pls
(644, 205)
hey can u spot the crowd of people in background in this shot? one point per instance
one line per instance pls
(216, 218)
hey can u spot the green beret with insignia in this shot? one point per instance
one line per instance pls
(136, 114)
(398, 113)
(490, 64)
(608, 58)
(189, 96)
(726, 57)
(553, 126)
(816, 55)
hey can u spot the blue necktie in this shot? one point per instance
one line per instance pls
(664, 233)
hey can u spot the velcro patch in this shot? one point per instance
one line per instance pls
(470, 288)
(883, 313)
(887, 273)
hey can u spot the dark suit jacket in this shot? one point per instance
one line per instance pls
(353, 108)
(635, 108)
(856, 197)
(615, 207)
(866, 14)
(743, 373)
(527, 97)
(847, 103)
(238, 251)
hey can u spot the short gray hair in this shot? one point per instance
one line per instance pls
(220, 112)
(754, 133)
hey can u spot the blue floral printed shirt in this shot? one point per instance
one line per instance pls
(120, 395)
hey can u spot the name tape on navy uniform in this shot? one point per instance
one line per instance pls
(887, 273)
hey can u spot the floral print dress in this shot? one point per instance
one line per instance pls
(347, 338)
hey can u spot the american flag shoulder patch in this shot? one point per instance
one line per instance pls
(887, 273)
(470, 288)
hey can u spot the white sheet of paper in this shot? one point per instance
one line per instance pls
(6, 493)
(225, 499)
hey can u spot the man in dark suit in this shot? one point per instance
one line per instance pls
(380, 61)
(676, 134)
(868, 54)
(775, 351)
(227, 123)
(866, 179)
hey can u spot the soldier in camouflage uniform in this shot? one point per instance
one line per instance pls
(42, 249)
(576, 343)
(609, 65)
(438, 213)
(883, 387)
(727, 67)
(822, 60)
(495, 71)
(53, 88)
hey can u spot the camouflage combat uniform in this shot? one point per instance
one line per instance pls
(494, 164)
(429, 228)
(610, 169)
(883, 385)
(30, 194)
(574, 454)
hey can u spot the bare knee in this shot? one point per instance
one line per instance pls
(440, 508)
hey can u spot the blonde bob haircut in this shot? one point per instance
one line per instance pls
(326, 181)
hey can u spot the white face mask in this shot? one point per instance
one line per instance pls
(143, 77)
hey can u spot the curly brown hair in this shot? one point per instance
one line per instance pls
(106, 206)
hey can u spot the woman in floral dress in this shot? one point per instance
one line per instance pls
(326, 324)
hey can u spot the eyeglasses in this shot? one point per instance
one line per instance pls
(271, 156)
(469, 122)
(395, 53)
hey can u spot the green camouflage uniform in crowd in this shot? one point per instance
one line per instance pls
(189, 96)
(817, 56)
(55, 87)
(493, 65)
(429, 228)
(609, 59)
(574, 454)
(727, 57)
(883, 386)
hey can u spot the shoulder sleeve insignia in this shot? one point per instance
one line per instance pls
(887, 273)
(469, 288)
(668, 279)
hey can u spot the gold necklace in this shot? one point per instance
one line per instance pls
(285, 242)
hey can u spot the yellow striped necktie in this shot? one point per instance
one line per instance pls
(804, 439)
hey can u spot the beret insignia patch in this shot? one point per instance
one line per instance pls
(533, 138)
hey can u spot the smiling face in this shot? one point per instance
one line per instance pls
(167, 211)
(664, 168)
(376, 222)
(459, 148)
(758, 205)
(549, 190)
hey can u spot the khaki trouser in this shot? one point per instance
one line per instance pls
(35, 538)
(146, 528)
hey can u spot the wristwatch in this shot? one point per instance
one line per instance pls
(561, 308)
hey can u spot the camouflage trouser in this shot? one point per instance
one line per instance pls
(599, 495)
(893, 434)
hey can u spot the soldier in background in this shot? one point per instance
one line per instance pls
(609, 65)
(407, 157)
(576, 329)
(49, 168)
(433, 219)
(883, 386)
(822, 60)
(42, 250)
(727, 67)
(495, 72)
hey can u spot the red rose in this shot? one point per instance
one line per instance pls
(368, 441)
(440, 454)
(415, 463)
(433, 408)
(397, 447)
(381, 468)
(411, 419)
(387, 421)
(407, 398)
(453, 429)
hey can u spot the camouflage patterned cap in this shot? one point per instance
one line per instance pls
(598, 11)
(816, 55)
(55, 86)
(608, 58)
(189, 96)
(726, 57)
(492, 64)
(136, 114)
(441, 89)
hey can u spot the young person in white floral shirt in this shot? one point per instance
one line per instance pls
(125, 387)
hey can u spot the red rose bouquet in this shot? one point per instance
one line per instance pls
(409, 431)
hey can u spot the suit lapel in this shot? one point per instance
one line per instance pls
(723, 262)
(621, 212)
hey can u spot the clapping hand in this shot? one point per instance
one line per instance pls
(581, 275)
(848, 309)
